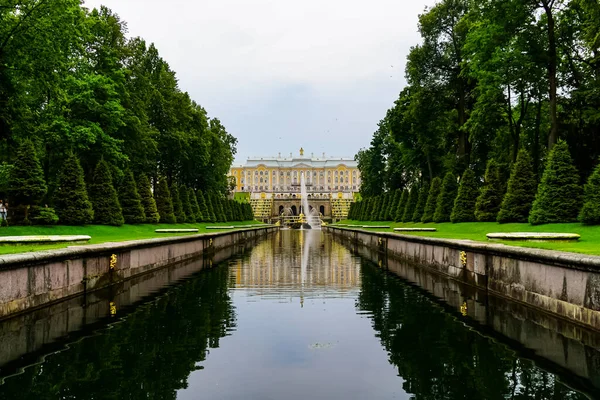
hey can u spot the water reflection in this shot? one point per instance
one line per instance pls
(296, 317)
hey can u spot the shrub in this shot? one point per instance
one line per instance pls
(445, 201)
(177, 206)
(384, 205)
(107, 210)
(420, 208)
(147, 200)
(401, 206)
(211, 207)
(489, 200)
(411, 204)
(559, 194)
(72, 202)
(590, 212)
(520, 192)
(26, 183)
(464, 204)
(391, 208)
(42, 215)
(432, 196)
(131, 203)
(204, 210)
(186, 206)
(164, 203)
(376, 208)
(194, 205)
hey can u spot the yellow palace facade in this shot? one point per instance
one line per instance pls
(331, 182)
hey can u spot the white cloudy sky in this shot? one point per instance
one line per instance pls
(282, 74)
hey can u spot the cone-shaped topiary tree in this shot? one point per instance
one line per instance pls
(364, 214)
(520, 192)
(384, 205)
(375, 209)
(195, 206)
(489, 200)
(464, 204)
(250, 212)
(72, 202)
(107, 210)
(590, 212)
(177, 206)
(147, 199)
(445, 201)
(190, 217)
(422, 200)
(211, 207)
(559, 195)
(411, 204)
(26, 183)
(164, 203)
(202, 203)
(129, 198)
(218, 206)
(431, 203)
(401, 206)
(393, 204)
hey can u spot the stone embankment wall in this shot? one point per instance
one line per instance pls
(564, 284)
(32, 280)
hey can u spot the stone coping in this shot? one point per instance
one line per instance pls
(415, 229)
(175, 230)
(44, 239)
(72, 252)
(375, 226)
(586, 262)
(221, 227)
(534, 236)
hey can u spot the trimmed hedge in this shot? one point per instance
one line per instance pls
(520, 192)
(72, 202)
(147, 199)
(434, 192)
(489, 200)
(464, 204)
(107, 210)
(445, 201)
(164, 203)
(131, 203)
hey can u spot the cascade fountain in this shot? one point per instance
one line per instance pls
(312, 216)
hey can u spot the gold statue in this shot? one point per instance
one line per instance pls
(301, 151)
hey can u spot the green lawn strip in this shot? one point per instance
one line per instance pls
(588, 244)
(101, 233)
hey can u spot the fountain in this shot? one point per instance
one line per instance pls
(312, 216)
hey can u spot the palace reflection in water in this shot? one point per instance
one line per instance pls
(296, 317)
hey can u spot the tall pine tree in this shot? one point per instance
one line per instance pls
(107, 210)
(590, 212)
(72, 202)
(420, 208)
(164, 203)
(190, 217)
(401, 206)
(194, 205)
(177, 206)
(445, 201)
(147, 199)
(520, 192)
(129, 198)
(411, 204)
(490, 198)
(432, 196)
(464, 204)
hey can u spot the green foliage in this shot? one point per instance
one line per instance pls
(384, 206)
(590, 212)
(107, 210)
(195, 208)
(42, 215)
(520, 192)
(164, 202)
(72, 203)
(432, 196)
(490, 198)
(559, 195)
(186, 206)
(211, 208)
(147, 200)
(218, 207)
(27, 185)
(177, 205)
(421, 202)
(411, 204)
(375, 208)
(401, 206)
(204, 209)
(5, 169)
(393, 204)
(129, 198)
(464, 204)
(445, 201)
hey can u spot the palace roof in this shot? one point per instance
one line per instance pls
(299, 162)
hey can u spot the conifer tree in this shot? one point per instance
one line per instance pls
(420, 208)
(177, 206)
(391, 209)
(445, 201)
(411, 204)
(559, 195)
(218, 206)
(164, 202)
(250, 212)
(365, 209)
(211, 209)
(228, 208)
(194, 205)
(147, 199)
(520, 192)
(107, 210)
(431, 203)
(376, 208)
(129, 198)
(186, 207)
(489, 200)
(26, 183)
(204, 210)
(464, 204)
(401, 206)
(72, 202)
(384, 204)
(590, 212)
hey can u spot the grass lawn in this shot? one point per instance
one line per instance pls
(588, 244)
(100, 233)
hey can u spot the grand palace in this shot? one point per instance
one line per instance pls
(273, 184)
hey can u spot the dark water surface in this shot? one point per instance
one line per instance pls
(296, 317)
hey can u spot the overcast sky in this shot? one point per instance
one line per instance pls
(282, 74)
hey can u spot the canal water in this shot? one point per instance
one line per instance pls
(295, 316)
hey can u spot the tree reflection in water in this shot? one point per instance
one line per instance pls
(438, 356)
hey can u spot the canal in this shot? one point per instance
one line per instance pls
(297, 315)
